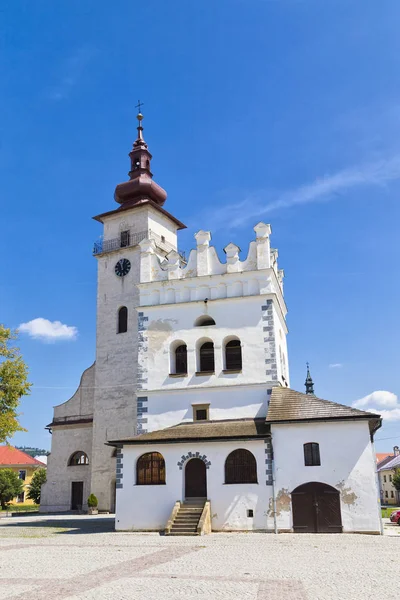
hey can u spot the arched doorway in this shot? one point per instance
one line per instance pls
(316, 509)
(195, 479)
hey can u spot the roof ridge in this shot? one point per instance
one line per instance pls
(329, 402)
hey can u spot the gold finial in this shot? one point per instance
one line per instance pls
(139, 116)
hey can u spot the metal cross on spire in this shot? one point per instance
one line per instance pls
(139, 106)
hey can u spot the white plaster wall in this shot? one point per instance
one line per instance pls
(234, 317)
(235, 402)
(56, 492)
(140, 219)
(149, 507)
(347, 464)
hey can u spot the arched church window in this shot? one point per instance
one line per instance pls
(78, 458)
(206, 357)
(181, 360)
(204, 321)
(125, 240)
(122, 320)
(241, 467)
(150, 469)
(311, 455)
(233, 356)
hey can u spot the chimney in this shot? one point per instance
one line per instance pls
(396, 451)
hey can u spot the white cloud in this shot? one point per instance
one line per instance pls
(381, 402)
(48, 331)
(335, 366)
(325, 188)
(71, 73)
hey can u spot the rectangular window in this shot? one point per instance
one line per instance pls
(384, 479)
(386, 495)
(21, 497)
(201, 412)
(311, 455)
(22, 475)
(392, 494)
(125, 239)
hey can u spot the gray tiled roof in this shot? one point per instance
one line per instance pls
(203, 430)
(289, 405)
(394, 463)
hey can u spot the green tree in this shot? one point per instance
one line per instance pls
(396, 481)
(38, 479)
(13, 384)
(10, 486)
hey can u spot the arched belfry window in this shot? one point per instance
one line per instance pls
(206, 357)
(181, 360)
(150, 469)
(233, 356)
(311, 455)
(204, 321)
(122, 320)
(241, 467)
(78, 458)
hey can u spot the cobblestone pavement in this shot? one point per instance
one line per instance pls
(76, 558)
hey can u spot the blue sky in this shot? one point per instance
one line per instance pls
(281, 110)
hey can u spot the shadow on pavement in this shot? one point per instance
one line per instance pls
(66, 526)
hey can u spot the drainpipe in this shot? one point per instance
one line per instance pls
(377, 485)
(273, 487)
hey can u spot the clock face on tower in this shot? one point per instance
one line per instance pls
(122, 267)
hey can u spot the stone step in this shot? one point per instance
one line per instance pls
(182, 533)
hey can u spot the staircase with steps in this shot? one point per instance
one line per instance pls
(187, 518)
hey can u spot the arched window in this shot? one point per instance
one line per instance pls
(233, 356)
(150, 469)
(78, 458)
(122, 320)
(204, 321)
(311, 455)
(206, 357)
(241, 467)
(181, 360)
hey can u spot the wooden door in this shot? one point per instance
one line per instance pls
(316, 509)
(76, 495)
(195, 479)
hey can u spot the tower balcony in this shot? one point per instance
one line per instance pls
(128, 239)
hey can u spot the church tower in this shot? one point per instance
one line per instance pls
(139, 216)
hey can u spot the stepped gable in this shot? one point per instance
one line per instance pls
(207, 430)
(288, 405)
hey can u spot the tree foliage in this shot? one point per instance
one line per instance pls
(38, 479)
(13, 384)
(396, 480)
(10, 486)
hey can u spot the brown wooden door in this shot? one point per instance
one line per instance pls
(316, 509)
(76, 495)
(195, 479)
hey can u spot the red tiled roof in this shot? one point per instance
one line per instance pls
(382, 455)
(12, 456)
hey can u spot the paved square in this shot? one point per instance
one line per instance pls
(80, 557)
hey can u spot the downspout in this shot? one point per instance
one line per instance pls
(273, 487)
(378, 487)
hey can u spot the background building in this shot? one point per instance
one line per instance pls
(24, 465)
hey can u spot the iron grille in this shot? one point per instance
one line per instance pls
(241, 467)
(151, 469)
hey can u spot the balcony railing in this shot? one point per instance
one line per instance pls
(128, 239)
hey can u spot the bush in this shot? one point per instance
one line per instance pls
(92, 501)
(38, 479)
